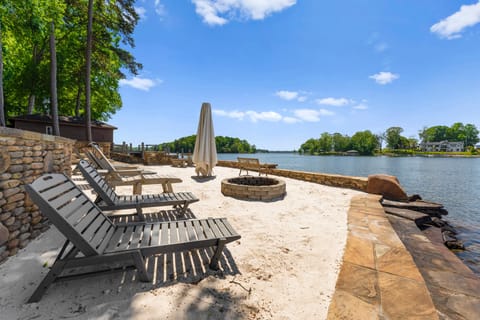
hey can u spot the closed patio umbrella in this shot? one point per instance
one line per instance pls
(205, 152)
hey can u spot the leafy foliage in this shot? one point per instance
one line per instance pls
(223, 144)
(365, 142)
(467, 133)
(327, 143)
(25, 34)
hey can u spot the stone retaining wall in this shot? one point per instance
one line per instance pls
(334, 180)
(24, 156)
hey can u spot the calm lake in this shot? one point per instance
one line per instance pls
(454, 182)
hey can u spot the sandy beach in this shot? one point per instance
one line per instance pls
(285, 265)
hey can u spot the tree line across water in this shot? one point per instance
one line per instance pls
(223, 144)
(367, 143)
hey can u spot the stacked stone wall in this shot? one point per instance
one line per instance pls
(25, 156)
(334, 180)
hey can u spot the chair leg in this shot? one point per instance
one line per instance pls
(183, 208)
(140, 265)
(139, 210)
(137, 188)
(54, 272)
(214, 261)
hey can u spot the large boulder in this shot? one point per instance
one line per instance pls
(387, 186)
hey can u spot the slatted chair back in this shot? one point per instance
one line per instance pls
(102, 160)
(98, 183)
(93, 159)
(72, 212)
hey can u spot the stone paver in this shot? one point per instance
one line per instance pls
(454, 288)
(378, 278)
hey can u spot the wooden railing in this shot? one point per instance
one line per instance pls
(147, 154)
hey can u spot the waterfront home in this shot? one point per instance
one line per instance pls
(446, 146)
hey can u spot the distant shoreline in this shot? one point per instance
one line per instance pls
(389, 154)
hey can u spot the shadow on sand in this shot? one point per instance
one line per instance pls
(188, 267)
(202, 179)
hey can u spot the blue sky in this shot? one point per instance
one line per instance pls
(278, 72)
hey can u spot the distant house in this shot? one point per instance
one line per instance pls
(445, 146)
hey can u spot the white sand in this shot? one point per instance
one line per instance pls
(285, 265)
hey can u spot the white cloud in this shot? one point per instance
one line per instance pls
(302, 98)
(360, 106)
(140, 83)
(230, 114)
(264, 115)
(337, 102)
(452, 26)
(311, 115)
(384, 77)
(300, 115)
(216, 12)
(160, 8)
(287, 95)
(290, 120)
(141, 11)
(254, 116)
(292, 95)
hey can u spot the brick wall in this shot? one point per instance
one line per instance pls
(25, 156)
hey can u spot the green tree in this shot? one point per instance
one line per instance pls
(471, 135)
(380, 138)
(53, 81)
(223, 144)
(365, 142)
(310, 146)
(88, 67)
(25, 33)
(435, 134)
(325, 142)
(467, 133)
(341, 143)
(412, 143)
(2, 106)
(393, 137)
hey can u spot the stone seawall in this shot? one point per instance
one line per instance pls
(334, 180)
(25, 156)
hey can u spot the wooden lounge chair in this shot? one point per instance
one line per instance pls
(94, 241)
(137, 180)
(97, 157)
(107, 199)
(254, 164)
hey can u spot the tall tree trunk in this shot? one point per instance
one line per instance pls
(31, 103)
(53, 81)
(88, 62)
(78, 102)
(2, 102)
(31, 98)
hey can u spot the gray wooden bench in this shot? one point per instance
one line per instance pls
(108, 199)
(95, 241)
(253, 164)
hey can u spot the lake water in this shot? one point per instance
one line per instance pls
(454, 182)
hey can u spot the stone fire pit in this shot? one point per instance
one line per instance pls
(254, 188)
